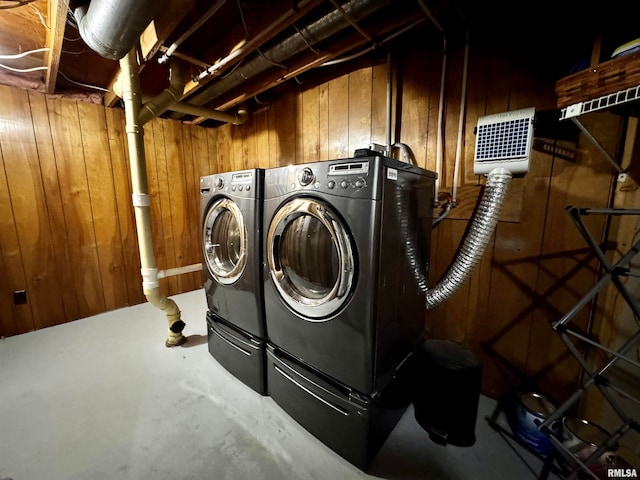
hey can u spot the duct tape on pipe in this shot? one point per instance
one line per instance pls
(141, 200)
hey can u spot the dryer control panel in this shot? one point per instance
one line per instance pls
(354, 178)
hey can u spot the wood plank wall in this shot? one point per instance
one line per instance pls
(67, 234)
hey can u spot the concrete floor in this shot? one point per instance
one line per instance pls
(102, 398)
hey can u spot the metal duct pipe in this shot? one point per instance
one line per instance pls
(316, 32)
(475, 241)
(112, 27)
(141, 200)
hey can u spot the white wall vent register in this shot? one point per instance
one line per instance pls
(504, 140)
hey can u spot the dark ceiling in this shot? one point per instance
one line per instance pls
(235, 53)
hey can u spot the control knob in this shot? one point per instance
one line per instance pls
(344, 184)
(219, 183)
(305, 176)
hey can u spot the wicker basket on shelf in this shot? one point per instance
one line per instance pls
(598, 80)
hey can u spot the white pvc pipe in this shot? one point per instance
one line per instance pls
(463, 104)
(439, 140)
(132, 98)
(172, 272)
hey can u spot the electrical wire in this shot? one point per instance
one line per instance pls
(244, 24)
(80, 84)
(23, 70)
(41, 17)
(23, 54)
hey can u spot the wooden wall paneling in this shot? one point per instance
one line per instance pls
(238, 151)
(285, 116)
(323, 122)
(100, 177)
(24, 181)
(482, 72)
(250, 144)
(273, 138)
(379, 104)
(502, 334)
(309, 122)
(447, 321)
(192, 203)
(261, 123)
(338, 128)
(299, 127)
(205, 163)
(224, 149)
(201, 153)
(155, 183)
(414, 109)
(212, 145)
(468, 195)
(14, 319)
(124, 205)
(453, 92)
(360, 91)
(59, 260)
(164, 196)
(568, 269)
(178, 200)
(74, 188)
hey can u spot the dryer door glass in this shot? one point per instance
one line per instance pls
(225, 241)
(311, 258)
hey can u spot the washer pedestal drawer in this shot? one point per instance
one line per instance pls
(241, 354)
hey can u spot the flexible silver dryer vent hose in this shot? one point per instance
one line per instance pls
(476, 239)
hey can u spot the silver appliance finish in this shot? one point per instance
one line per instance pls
(231, 232)
(343, 293)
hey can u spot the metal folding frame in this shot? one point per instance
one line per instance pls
(595, 377)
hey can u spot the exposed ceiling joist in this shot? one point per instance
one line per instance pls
(55, 36)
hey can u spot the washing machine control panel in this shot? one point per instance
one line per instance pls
(241, 184)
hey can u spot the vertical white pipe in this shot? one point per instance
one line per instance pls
(439, 140)
(132, 98)
(389, 97)
(463, 106)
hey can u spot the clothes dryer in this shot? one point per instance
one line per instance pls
(231, 232)
(346, 250)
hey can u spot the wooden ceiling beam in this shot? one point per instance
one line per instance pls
(55, 36)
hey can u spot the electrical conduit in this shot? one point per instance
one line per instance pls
(141, 201)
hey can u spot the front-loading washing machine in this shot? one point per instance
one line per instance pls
(346, 252)
(231, 232)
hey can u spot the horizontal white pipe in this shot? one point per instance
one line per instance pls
(172, 272)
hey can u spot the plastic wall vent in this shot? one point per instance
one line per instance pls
(504, 140)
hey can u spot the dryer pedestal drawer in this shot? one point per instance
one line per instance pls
(240, 353)
(352, 424)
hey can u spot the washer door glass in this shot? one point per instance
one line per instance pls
(224, 240)
(310, 257)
